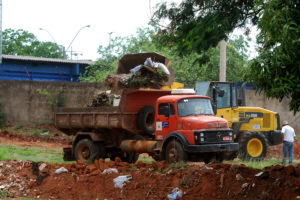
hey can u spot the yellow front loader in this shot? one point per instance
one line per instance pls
(254, 128)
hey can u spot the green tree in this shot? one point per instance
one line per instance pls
(188, 69)
(21, 42)
(198, 25)
(277, 67)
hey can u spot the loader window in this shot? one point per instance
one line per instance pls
(224, 101)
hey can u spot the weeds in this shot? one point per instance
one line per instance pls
(3, 194)
(178, 165)
(55, 98)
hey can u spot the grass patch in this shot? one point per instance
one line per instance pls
(3, 194)
(147, 160)
(36, 154)
(257, 164)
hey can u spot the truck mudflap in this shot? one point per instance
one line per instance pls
(68, 154)
(206, 148)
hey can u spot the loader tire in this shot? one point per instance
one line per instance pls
(145, 119)
(253, 146)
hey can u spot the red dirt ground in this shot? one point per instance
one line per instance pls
(149, 181)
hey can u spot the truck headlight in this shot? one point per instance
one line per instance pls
(201, 134)
(202, 139)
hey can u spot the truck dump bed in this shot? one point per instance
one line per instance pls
(123, 116)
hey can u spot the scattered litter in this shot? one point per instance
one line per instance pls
(239, 177)
(176, 193)
(120, 181)
(259, 174)
(42, 166)
(44, 133)
(61, 170)
(110, 170)
(208, 168)
(245, 185)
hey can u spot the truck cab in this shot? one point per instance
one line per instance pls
(186, 128)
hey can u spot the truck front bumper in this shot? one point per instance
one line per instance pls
(207, 148)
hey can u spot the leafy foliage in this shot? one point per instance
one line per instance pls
(198, 25)
(277, 67)
(55, 98)
(188, 69)
(21, 42)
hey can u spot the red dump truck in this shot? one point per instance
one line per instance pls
(168, 126)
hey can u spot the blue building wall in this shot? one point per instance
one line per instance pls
(29, 68)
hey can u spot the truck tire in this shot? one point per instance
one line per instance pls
(87, 151)
(253, 146)
(145, 119)
(174, 152)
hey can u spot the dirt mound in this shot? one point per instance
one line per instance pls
(276, 151)
(58, 139)
(148, 181)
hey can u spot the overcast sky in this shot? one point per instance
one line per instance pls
(63, 19)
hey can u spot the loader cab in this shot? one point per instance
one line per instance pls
(223, 94)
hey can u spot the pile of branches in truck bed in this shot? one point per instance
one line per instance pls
(103, 98)
(147, 75)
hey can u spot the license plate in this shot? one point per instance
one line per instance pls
(226, 138)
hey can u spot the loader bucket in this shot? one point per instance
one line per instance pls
(130, 61)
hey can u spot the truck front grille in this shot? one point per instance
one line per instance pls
(213, 136)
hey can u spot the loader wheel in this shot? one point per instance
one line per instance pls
(145, 119)
(174, 152)
(87, 151)
(253, 146)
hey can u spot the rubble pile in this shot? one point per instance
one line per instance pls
(157, 180)
(103, 98)
(147, 75)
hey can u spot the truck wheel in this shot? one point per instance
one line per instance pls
(86, 151)
(175, 152)
(145, 119)
(253, 146)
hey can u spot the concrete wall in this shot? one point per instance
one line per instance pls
(260, 100)
(24, 105)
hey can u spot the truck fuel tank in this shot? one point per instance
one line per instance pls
(139, 146)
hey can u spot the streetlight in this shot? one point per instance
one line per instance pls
(42, 29)
(87, 26)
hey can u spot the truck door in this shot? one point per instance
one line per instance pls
(165, 120)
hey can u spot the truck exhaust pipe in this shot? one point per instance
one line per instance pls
(139, 146)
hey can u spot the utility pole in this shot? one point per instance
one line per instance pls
(222, 74)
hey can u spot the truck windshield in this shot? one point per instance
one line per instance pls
(194, 106)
